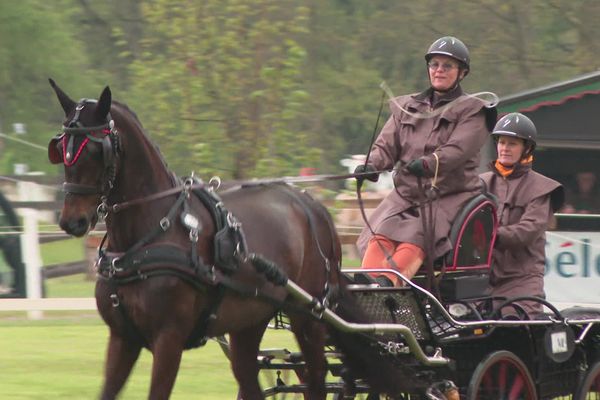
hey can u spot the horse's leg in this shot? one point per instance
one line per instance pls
(166, 352)
(310, 335)
(120, 358)
(243, 347)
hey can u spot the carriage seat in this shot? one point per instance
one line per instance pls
(472, 236)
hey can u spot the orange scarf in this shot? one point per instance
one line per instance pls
(506, 171)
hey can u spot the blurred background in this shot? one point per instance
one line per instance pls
(261, 87)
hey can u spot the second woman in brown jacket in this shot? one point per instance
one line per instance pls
(526, 203)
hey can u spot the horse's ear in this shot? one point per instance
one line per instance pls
(67, 104)
(103, 106)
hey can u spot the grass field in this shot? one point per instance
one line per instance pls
(62, 355)
(63, 359)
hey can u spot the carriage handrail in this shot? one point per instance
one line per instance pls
(377, 328)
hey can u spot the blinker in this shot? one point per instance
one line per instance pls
(54, 155)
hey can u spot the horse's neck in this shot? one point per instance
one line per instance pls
(141, 174)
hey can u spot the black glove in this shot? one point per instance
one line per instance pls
(418, 167)
(364, 169)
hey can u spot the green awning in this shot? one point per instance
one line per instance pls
(566, 114)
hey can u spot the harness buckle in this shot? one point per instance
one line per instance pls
(165, 224)
(194, 235)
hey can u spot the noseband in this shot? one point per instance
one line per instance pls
(106, 134)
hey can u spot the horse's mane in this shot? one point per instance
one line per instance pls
(126, 109)
(129, 110)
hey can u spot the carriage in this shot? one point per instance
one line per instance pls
(179, 269)
(458, 343)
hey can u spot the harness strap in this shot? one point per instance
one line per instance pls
(156, 196)
(163, 226)
(150, 259)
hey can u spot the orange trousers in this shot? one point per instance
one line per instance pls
(407, 257)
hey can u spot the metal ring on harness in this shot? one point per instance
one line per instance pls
(113, 267)
(102, 211)
(214, 183)
(165, 223)
(232, 222)
(115, 300)
(188, 183)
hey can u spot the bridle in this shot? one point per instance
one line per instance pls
(106, 134)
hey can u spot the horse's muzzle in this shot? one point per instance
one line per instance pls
(76, 226)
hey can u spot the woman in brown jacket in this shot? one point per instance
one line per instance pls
(436, 136)
(526, 203)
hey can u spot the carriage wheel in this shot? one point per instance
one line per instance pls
(501, 375)
(590, 386)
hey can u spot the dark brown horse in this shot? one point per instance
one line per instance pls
(161, 286)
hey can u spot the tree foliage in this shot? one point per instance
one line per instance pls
(245, 88)
(31, 51)
(220, 84)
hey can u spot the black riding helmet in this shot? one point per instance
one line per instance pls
(451, 47)
(517, 125)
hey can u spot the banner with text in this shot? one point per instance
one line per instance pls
(573, 267)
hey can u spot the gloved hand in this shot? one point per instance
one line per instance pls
(373, 176)
(418, 168)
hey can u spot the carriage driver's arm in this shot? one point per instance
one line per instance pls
(532, 224)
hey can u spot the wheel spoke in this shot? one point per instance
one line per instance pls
(516, 388)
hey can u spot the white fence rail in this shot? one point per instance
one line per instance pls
(49, 304)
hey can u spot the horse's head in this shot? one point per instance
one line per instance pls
(88, 148)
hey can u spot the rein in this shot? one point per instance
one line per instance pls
(187, 186)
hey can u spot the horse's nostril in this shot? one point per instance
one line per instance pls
(82, 222)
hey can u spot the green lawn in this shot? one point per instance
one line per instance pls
(62, 251)
(62, 356)
(64, 360)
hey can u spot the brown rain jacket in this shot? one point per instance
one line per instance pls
(526, 203)
(456, 136)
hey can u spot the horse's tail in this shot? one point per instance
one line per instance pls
(364, 356)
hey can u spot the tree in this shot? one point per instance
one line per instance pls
(219, 83)
(36, 42)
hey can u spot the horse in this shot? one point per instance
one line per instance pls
(177, 267)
